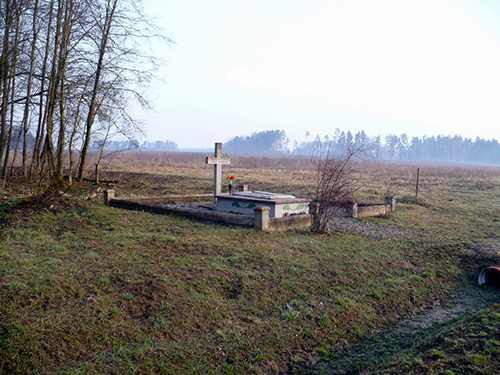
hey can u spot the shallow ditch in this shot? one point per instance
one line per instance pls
(407, 336)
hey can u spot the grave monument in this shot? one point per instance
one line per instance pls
(217, 160)
(245, 202)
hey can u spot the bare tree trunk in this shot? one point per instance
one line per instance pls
(61, 76)
(4, 78)
(9, 132)
(72, 139)
(42, 113)
(25, 120)
(101, 153)
(48, 154)
(12, 85)
(16, 149)
(110, 11)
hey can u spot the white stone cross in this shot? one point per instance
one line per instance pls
(217, 160)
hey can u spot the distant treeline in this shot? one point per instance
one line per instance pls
(134, 145)
(392, 147)
(265, 142)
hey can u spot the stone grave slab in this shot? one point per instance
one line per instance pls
(280, 205)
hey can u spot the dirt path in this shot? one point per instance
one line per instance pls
(406, 336)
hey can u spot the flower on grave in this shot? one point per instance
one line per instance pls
(231, 177)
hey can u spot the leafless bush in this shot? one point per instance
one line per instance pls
(334, 184)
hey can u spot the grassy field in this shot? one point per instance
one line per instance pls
(90, 289)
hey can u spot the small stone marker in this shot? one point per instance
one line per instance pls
(261, 218)
(108, 194)
(391, 201)
(217, 160)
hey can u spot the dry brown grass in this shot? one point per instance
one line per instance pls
(295, 174)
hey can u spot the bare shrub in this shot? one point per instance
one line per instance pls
(334, 184)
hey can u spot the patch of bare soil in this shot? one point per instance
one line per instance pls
(28, 207)
(405, 337)
(363, 228)
(15, 212)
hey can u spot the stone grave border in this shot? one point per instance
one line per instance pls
(260, 220)
(363, 209)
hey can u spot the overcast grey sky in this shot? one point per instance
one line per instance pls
(420, 67)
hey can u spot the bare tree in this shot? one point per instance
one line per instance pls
(7, 11)
(29, 86)
(12, 86)
(104, 39)
(333, 184)
(123, 68)
(48, 17)
(68, 69)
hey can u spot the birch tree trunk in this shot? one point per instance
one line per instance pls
(26, 113)
(108, 21)
(4, 77)
(58, 173)
(42, 113)
(12, 88)
(48, 154)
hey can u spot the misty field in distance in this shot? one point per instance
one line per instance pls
(289, 174)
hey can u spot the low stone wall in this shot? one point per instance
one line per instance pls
(173, 198)
(367, 209)
(260, 220)
(290, 222)
(364, 210)
(218, 217)
(357, 210)
(344, 211)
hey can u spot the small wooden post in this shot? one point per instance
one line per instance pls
(418, 181)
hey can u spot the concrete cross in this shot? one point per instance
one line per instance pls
(217, 160)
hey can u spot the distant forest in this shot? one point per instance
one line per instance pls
(392, 147)
(134, 145)
(265, 142)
